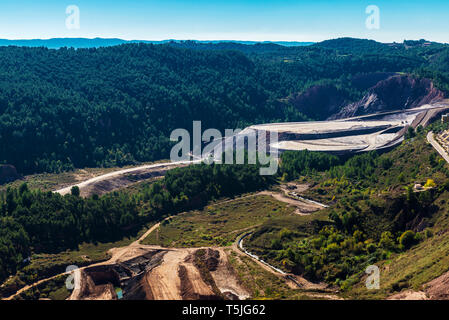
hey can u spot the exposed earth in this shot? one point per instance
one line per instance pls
(140, 271)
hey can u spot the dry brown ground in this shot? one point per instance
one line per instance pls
(437, 289)
(166, 275)
(226, 280)
(119, 179)
(164, 281)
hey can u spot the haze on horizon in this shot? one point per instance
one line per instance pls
(244, 20)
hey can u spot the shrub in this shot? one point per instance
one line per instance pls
(407, 239)
(428, 233)
(371, 248)
(276, 244)
(386, 163)
(410, 133)
(75, 191)
(358, 236)
(430, 184)
(386, 241)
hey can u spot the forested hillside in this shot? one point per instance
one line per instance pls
(68, 108)
(377, 215)
(46, 222)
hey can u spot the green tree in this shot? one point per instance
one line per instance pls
(75, 191)
(407, 239)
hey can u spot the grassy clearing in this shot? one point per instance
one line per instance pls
(297, 227)
(261, 283)
(54, 289)
(415, 267)
(289, 229)
(218, 224)
(54, 181)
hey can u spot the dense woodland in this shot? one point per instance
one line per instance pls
(375, 212)
(112, 106)
(67, 108)
(36, 221)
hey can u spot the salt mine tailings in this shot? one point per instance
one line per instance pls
(380, 132)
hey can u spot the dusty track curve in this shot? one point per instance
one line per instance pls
(436, 146)
(135, 249)
(119, 173)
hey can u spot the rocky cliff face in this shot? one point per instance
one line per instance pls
(395, 93)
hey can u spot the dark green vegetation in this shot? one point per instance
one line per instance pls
(218, 224)
(294, 164)
(113, 106)
(45, 222)
(56, 43)
(376, 216)
(61, 109)
(69, 108)
(54, 289)
(261, 283)
(194, 186)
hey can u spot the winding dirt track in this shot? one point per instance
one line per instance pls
(436, 146)
(117, 254)
(119, 173)
(166, 275)
(293, 281)
(302, 207)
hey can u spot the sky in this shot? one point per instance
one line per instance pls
(257, 20)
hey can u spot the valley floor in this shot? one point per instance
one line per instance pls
(195, 254)
(176, 273)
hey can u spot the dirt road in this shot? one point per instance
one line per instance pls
(303, 206)
(436, 146)
(165, 274)
(164, 280)
(110, 177)
(293, 281)
(117, 255)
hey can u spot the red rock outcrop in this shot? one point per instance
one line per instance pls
(395, 93)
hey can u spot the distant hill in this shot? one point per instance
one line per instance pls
(353, 45)
(117, 105)
(350, 43)
(56, 43)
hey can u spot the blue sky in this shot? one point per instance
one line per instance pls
(283, 20)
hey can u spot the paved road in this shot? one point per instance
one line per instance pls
(437, 147)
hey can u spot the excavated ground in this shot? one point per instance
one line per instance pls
(163, 274)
